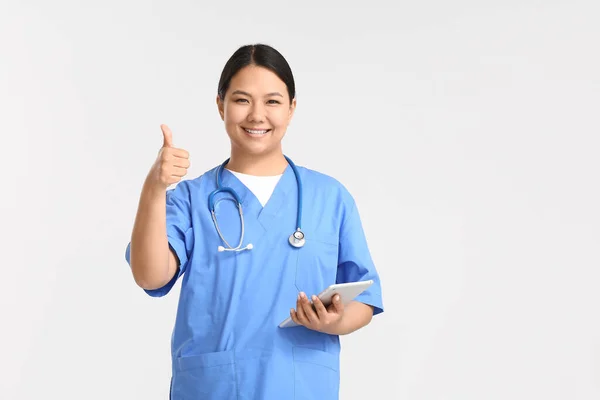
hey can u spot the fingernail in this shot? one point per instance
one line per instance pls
(302, 295)
(314, 297)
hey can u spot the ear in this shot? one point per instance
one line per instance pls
(221, 108)
(292, 110)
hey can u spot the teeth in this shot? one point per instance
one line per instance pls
(262, 132)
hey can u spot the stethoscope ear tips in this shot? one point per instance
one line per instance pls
(222, 248)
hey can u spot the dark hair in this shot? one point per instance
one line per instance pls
(261, 55)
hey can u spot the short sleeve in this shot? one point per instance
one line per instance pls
(355, 262)
(179, 233)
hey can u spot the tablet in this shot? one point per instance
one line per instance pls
(347, 292)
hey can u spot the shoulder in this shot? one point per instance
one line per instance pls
(326, 183)
(320, 178)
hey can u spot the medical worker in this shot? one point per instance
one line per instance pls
(252, 239)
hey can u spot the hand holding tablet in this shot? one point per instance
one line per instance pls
(346, 291)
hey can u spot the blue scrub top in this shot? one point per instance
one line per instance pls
(226, 343)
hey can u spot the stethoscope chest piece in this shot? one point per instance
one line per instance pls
(297, 239)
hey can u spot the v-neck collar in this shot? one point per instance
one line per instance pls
(286, 187)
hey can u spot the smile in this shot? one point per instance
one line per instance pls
(257, 131)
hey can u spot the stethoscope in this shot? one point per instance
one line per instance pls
(296, 239)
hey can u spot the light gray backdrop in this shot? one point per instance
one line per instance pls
(466, 130)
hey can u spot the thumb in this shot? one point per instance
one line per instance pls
(167, 136)
(338, 306)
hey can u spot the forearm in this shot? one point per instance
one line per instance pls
(149, 243)
(356, 315)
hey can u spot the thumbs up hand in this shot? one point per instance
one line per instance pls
(171, 164)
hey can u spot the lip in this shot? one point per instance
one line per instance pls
(257, 135)
(257, 129)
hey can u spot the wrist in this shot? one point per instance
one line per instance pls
(153, 187)
(337, 328)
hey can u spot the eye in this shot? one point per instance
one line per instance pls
(274, 102)
(239, 100)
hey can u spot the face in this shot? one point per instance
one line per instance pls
(256, 111)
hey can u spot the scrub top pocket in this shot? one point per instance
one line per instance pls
(205, 376)
(317, 262)
(316, 375)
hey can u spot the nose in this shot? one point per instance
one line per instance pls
(257, 113)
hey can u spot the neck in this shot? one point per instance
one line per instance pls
(258, 165)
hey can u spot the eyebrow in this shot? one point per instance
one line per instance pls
(249, 95)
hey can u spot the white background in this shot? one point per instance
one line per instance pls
(467, 131)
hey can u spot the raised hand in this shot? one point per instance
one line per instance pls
(171, 164)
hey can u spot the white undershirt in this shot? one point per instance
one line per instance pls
(261, 186)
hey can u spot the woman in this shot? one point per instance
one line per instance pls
(240, 281)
